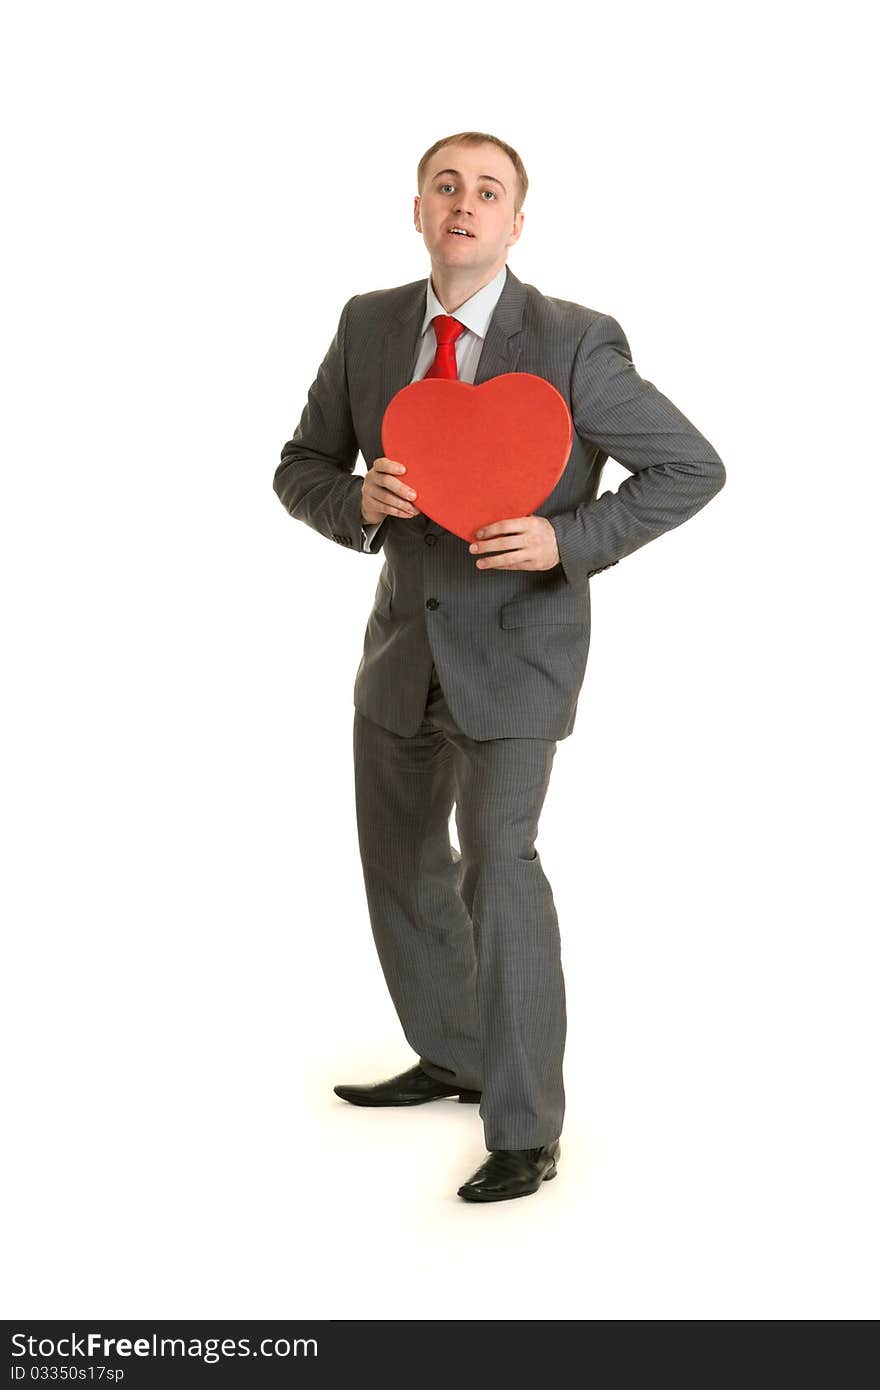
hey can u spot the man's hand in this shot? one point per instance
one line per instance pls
(529, 543)
(384, 494)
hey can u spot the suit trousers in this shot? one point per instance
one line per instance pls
(468, 940)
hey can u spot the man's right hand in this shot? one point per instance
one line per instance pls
(385, 494)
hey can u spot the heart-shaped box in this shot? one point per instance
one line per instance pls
(478, 454)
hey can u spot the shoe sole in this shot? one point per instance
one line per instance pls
(508, 1196)
(464, 1098)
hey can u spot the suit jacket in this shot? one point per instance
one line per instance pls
(510, 646)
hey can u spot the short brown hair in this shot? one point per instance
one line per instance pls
(478, 137)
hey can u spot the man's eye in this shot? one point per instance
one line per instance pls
(443, 187)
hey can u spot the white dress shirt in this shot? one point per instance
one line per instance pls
(475, 314)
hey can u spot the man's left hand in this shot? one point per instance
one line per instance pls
(529, 543)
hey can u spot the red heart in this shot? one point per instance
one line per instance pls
(478, 454)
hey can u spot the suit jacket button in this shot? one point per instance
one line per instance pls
(430, 538)
(433, 603)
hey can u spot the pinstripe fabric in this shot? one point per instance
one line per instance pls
(469, 677)
(510, 646)
(469, 947)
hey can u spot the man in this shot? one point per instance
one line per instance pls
(474, 655)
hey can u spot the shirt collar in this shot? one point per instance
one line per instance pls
(476, 312)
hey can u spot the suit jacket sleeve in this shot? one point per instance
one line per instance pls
(315, 479)
(675, 470)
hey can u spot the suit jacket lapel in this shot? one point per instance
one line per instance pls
(501, 348)
(401, 344)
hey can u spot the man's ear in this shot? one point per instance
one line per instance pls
(416, 206)
(516, 230)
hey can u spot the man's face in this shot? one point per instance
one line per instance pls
(471, 187)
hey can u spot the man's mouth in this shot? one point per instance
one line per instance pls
(459, 232)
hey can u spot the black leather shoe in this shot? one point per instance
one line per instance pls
(413, 1087)
(511, 1173)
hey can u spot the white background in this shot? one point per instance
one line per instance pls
(193, 192)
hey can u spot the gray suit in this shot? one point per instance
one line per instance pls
(468, 679)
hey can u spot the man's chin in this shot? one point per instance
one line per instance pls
(451, 257)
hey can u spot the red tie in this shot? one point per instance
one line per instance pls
(446, 330)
